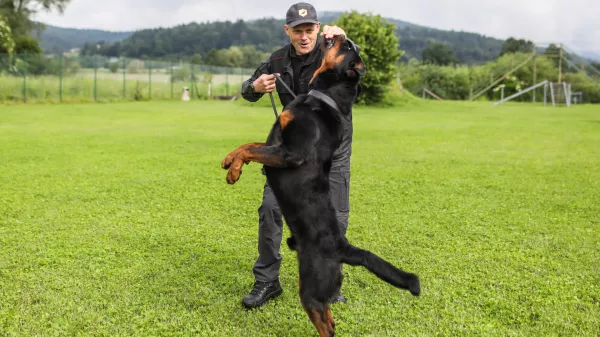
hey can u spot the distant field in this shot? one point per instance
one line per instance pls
(116, 220)
(79, 87)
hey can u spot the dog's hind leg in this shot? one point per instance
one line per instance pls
(320, 316)
(318, 312)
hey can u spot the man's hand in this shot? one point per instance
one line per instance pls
(332, 31)
(265, 83)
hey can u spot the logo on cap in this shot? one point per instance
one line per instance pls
(302, 12)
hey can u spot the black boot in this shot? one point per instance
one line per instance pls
(261, 293)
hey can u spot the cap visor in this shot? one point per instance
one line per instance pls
(303, 21)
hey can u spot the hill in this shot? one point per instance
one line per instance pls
(57, 39)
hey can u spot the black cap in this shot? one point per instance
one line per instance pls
(301, 13)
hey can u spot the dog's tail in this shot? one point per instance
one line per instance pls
(355, 256)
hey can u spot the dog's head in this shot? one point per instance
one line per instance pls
(341, 61)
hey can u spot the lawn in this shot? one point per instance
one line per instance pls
(116, 220)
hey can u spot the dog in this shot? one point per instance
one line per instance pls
(297, 158)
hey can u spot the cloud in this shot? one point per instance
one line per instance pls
(573, 23)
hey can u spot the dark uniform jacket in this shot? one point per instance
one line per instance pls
(281, 62)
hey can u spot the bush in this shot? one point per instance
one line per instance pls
(379, 44)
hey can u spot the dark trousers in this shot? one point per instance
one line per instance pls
(270, 223)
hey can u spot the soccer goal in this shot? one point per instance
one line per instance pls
(560, 94)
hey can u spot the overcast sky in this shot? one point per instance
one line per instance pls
(575, 23)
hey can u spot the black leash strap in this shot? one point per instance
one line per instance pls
(271, 94)
(273, 104)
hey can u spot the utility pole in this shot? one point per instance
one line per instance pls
(560, 63)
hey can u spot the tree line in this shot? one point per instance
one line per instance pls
(205, 40)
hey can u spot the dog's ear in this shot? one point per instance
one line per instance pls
(360, 68)
(356, 68)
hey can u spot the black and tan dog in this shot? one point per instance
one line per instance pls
(297, 158)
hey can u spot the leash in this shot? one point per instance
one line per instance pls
(314, 93)
(271, 94)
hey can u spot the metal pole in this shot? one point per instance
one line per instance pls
(520, 93)
(172, 80)
(560, 64)
(95, 76)
(566, 93)
(124, 70)
(534, 75)
(25, 78)
(546, 94)
(149, 79)
(552, 93)
(60, 75)
(226, 81)
(502, 93)
(501, 78)
(191, 80)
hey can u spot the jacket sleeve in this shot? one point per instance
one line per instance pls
(262, 69)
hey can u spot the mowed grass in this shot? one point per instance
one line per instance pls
(116, 220)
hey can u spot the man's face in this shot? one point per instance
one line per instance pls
(303, 37)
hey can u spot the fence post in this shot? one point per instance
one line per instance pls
(534, 75)
(149, 79)
(60, 75)
(172, 80)
(25, 78)
(227, 81)
(191, 80)
(124, 70)
(95, 76)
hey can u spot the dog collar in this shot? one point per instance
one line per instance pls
(326, 99)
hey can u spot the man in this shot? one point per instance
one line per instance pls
(295, 63)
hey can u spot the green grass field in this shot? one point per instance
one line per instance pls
(116, 220)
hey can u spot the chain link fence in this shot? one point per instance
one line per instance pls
(43, 78)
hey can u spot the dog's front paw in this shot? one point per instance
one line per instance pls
(235, 171)
(227, 161)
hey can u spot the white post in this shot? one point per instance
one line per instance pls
(567, 93)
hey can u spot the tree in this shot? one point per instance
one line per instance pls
(7, 43)
(438, 53)
(379, 44)
(19, 12)
(512, 45)
(212, 57)
(196, 59)
(18, 15)
(27, 44)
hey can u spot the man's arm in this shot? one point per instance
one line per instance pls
(261, 82)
